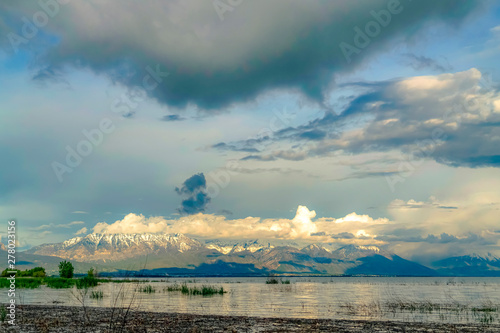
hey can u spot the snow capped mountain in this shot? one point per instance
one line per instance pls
(227, 247)
(113, 247)
(475, 264)
(353, 252)
(484, 257)
(315, 250)
(179, 254)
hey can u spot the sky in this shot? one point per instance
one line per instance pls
(367, 122)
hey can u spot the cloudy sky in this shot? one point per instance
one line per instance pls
(367, 122)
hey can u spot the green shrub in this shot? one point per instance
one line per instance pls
(59, 283)
(66, 269)
(34, 272)
(86, 282)
(39, 274)
(28, 283)
(272, 280)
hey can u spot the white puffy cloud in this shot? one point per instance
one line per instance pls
(301, 226)
(82, 231)
(451, 118)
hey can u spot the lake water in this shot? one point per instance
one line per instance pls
(368, 298)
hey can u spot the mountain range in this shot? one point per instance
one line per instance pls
(178, 254)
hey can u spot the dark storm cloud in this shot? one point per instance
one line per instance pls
(215, 61)
(194, 190)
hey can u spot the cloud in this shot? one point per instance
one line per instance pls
(353, 217)
(466, 208)
(214, 63)
(422, 62)
(132, 224)
(452, 118)
(432, 202)
(173, 117)
(195, 191)
(301, 226)
(82, 231)
(443, 238)
(54, 226)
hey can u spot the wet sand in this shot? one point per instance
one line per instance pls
(33, 318)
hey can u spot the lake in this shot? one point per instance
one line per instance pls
(433, 299)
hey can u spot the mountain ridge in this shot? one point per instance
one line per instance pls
(180, 253)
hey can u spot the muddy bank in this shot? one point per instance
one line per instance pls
(32, 318)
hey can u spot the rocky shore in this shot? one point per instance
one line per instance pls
(33, 318)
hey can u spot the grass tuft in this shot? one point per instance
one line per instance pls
(275, 280)
(97, 295)
(149, 289)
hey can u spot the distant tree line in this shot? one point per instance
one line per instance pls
(34, 272)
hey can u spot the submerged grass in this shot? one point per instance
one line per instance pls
(149, 289)
(486, 314)
(204, 290)
(97, 294)
(86, 282)
(275, 280)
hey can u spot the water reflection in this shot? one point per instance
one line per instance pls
(406, 299)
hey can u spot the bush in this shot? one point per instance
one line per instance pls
(34, 272)
(66, 269)
(59, 283)
(86, 282)
(92, 273)
(39, 274)
(272, 280)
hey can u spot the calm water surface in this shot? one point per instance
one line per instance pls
(369, 298)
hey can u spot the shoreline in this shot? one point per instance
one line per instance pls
(43, 318)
